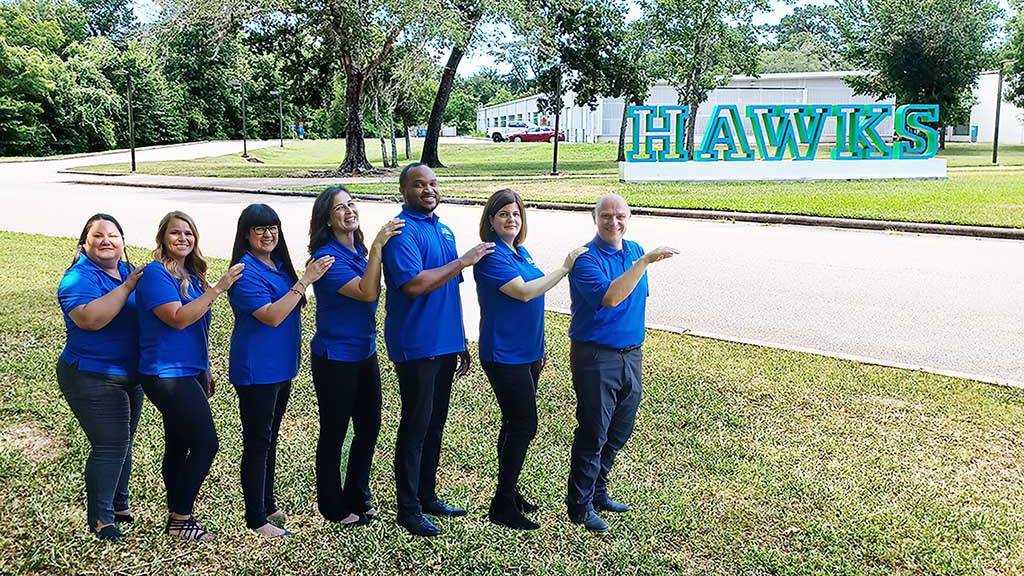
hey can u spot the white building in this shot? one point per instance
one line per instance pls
(581, 124)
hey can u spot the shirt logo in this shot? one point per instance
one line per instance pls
(447, 233)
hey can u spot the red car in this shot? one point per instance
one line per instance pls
(539, 134)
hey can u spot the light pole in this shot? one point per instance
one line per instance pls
(245, 142)
(280, 115)
(131, 123)
(999, 105)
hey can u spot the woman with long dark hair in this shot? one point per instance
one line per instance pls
(346, 374)
(174, 300)
(511, 290)
(98, 368)
(267, 302)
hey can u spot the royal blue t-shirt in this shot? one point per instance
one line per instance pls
(594, 271)
(511, 331)
(260, 353)
(431, 324)
(113, 349)
(164, 351)
(346, 328)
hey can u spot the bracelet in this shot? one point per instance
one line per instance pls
(296, 291)
(301, 283)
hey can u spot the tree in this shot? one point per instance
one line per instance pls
(801, 52)
(1014, 52)
(701, 44)
(114, 19)
(920, 51)
(818, 22)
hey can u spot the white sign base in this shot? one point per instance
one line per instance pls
(781, 170)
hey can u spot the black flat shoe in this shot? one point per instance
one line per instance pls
(505, 512)
(123, 518)
(110, 533)
(419, 525)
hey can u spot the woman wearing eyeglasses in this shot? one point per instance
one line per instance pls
(264, 358)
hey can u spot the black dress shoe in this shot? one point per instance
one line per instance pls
(109, 532)
(505, 512)
(610, 505)
(441, 508)
(419, 525)
(123, 518)
(591, 521)
(524, 505)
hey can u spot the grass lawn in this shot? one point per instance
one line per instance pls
(489, 159)
(982, 198)
(745, 460)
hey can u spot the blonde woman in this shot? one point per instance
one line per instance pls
(174, 300)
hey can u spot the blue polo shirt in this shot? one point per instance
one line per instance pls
(511, 331)
(346, 329)
(429, 325)
(164, 351)
(113, 349)
(594, 271)
(262, 354)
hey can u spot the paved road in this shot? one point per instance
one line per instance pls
(945, 303)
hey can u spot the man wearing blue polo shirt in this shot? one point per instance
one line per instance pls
(608, 290)
(425, 339)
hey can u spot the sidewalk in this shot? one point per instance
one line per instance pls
(279, 187)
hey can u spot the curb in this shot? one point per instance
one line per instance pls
(101, 153)
(996, 232)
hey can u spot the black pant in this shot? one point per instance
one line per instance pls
(261, 407)
(346, 390)
(426, 387)
(608, 389)
(515, 387)
(190, 439)
(108, 409)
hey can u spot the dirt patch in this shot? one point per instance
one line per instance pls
(31, 441)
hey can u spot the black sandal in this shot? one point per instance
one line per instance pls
(123, 517)
(187, 529)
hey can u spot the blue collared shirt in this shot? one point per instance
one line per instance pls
(164, 351)
(431, 324)
(346, 328)
(262, 354)
(113, 349)
(511, 331)
(594, 271)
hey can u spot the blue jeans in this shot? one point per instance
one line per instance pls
(608, 390)
(107, 408)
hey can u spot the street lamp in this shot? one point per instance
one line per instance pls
(999, 102)
(245, 142)
(280, 115)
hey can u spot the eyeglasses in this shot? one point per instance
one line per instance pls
(261, 230)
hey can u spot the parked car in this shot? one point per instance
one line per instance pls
(500, 133)
(537, 134)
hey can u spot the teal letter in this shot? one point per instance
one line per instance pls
(857, 136)
(917, 139)
(669, 128)
(786, 127)
(724, 130)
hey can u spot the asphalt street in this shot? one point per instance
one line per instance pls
(941, 303)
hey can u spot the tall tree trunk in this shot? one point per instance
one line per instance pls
(355, 161)
(691, 126)
(429, 155)
(380, 132)
(942, 137)
(622, 130)
(391, 132)
(408, 140)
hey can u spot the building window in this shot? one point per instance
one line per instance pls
(962, 130)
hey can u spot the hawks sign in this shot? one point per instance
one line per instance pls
(782, 142)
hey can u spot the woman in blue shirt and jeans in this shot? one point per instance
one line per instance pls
(174, 301)
(511, 290)
(97, 370)
(267, 302)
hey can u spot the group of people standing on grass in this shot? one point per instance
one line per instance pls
(144, 331)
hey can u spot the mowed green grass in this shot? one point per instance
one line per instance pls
(977, 198)
(298, 158)
(745, 460)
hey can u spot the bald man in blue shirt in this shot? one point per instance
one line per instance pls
(608, 290)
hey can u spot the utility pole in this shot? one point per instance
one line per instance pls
(999, 105)
(131, 124)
